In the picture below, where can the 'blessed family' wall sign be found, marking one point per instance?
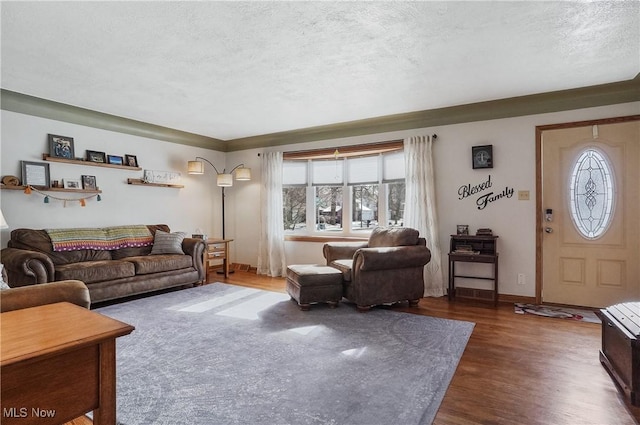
(485, 199)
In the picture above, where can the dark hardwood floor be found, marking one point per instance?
(516, 369)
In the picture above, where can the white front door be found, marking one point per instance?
(590, 231)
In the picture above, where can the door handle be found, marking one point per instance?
(548, 229)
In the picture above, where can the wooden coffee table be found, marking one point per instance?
(58, 362)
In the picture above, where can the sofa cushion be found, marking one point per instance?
(345, 267)
(119, 254)
(146, 264)
(95, 271)
(396, 236)
(168, 243)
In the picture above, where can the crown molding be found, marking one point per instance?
(30, 105)
(585, 97)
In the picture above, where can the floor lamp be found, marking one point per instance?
(223, 179)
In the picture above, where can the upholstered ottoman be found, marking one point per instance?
(311, 283)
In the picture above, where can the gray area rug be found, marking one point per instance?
(223, 354)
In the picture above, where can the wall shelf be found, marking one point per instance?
(140, 182)
(50, 189)
(47, 157)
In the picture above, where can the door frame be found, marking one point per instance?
(539, 207)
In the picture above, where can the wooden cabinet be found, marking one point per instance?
(473, 249)
(620, 353)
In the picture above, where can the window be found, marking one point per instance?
(364, 207)
(294, 195)
(347, 193)
(591, 194)
(393, 176)
(294, 201)
(395, 204)
(328, 201)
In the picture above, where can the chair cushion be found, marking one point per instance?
(396, 236)
(345, 267)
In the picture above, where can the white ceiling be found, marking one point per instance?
(236, 69)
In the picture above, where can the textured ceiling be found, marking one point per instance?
(235, 69)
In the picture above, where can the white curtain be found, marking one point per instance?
(271, 260)
(420, 207)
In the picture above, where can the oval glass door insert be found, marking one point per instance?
(591, 194)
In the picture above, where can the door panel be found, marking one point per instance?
(577, 270)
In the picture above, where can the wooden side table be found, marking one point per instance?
(217, 250)
(477, 249)
(58, 361)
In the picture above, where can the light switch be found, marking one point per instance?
(523, 195)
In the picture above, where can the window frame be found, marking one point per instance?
(344, 153)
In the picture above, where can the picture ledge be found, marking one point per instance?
(47, 157)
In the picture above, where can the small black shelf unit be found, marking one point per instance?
(473, 249)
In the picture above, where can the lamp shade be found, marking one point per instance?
(225, 180)
(243, 173)
(195, 167)
(3, 222)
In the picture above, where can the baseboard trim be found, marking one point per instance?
(512, 299)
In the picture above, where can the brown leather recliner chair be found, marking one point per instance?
(73, 291)
(388, 268)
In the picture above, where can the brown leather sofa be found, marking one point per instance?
(388, 268)
(30, 259)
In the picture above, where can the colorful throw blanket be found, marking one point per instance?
(103, 239)
(128, 236)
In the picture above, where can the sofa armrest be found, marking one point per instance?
(195, 248)
(73, 291)
(341, 250)
(26, 267)
(397, 257)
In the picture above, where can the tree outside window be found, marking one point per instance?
(294, 204)
(329, 208)
(364, 207)
(395, 204)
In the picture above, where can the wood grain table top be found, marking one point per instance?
(34, 333)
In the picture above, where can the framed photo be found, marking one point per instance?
(89, 182)
(482, 156)
(114, 159)
(35, 174)
(61, 146)
(72, 184)
(131, 160)
(95, 156)
(462, 229)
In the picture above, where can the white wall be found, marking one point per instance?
(24, 137)
(198, 204)
(513, 141)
